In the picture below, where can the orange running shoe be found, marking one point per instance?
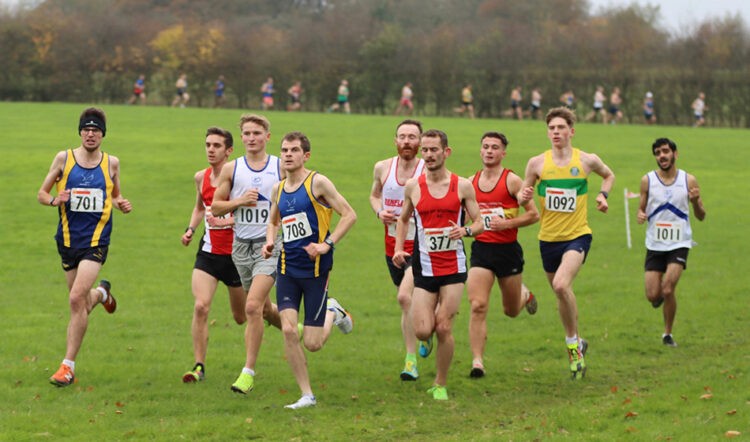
(111, 304)
(63, 377)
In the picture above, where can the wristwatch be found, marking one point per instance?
(329, 241)
(468, 231)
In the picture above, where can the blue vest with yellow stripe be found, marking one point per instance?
(304, 220)
(86, 218)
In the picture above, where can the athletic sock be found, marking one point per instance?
(249, 371)
(104, 294)
(69, 363)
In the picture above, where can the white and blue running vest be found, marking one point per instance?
(668, 212)
(250, 222)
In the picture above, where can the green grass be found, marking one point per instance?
(130, 365)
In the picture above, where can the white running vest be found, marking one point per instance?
(250, 222)
(393, 195)
(668, 212)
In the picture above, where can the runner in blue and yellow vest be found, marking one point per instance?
(303, 204)
(561, 175)
(87, 183)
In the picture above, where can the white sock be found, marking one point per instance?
(571, 340)
(104, 294)
(69, 363)
(249, 371)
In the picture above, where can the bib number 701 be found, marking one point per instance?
(86, 200)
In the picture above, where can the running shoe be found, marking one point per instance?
(63, 376)
(303, 402)
(477, 370)
(439, 393)
(575, 355)
(343, 319)
(110, 305)
(195, 375)
(531, 304)
(668, 340)
(425, 347)
(410, 371)
(243, 384)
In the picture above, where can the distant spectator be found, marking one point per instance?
(405, 104)
(699, 107)
(219, 92)
(648, 108)
(615, 100)
(598, 109)
(467, 102)
(267, 91)
(342, 99)
(181, 95)
(568, 99)
(139, 90)
(295, 97)
(515, 103)
(536, 103)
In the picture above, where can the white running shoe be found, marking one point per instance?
(303, 402)
(342, 320)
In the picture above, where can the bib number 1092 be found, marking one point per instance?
(560, 200)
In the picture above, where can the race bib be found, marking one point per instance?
(224, 216)
(488, 213)
(410, 232)
(560, 200)
(86, 200)
(669, 232)
(256, 214)
(438, 240)
(295, 227)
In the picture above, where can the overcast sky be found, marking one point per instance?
(680, 14)
(676, 15)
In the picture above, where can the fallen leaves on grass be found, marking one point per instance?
(732, 433)
(732, 412)
(631, 414)
(706, 396)
(613, 389)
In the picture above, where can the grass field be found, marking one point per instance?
(129, 369)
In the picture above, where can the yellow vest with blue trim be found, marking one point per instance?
(565, 190)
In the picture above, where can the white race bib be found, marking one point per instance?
(86, 200)
(669, 232)
(410, 232)
(256, 215)
(488, 213)
(295, 227)
(560, 200)
(438, 240)
(224, 216)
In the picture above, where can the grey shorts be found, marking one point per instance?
(247, 257)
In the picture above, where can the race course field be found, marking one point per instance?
(130, 366)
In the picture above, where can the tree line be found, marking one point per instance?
(85, 51)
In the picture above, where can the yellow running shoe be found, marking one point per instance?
(439, 393)
(243, 384)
